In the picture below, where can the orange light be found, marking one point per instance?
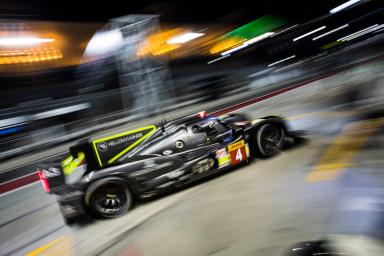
(156, 44)
(29, 55)
(226, 44)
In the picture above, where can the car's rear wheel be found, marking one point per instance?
(270, 139)
(110, 200)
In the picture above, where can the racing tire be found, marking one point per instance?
(109, 200)
(269, 141)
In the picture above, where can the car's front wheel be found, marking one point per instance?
(110, 200)
(270, 139)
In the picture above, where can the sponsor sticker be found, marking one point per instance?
(222, 157)
(237, 152)
(247, 149)
(109, 149)
(236, 145)
(102, 146)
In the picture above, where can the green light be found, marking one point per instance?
(257, 27)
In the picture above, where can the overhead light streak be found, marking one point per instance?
(279, 61)
(29, 56)
(234, 49)
(361, 32)
(314, 57)
(61, 111)
(357, 32)
(309, 33)
(284, 30)
(330, 32)
(258, 38)
(310, 58)
(343, 6)
(364, 33)
(104, 42)
(184, 38)
(23, 41)
(217, 59)
(248, 42)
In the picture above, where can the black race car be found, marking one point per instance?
(102, 177)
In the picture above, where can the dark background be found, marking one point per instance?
(170, 11)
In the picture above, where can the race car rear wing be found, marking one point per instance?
(51, 175)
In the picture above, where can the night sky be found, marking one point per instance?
(170, 11)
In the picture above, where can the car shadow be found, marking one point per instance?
(293, 142)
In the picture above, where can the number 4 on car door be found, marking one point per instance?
(237, 152)
(239, 156)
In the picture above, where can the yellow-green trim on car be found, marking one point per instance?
(225, 160)
(126, 149)
(70, 163)
(66, 161)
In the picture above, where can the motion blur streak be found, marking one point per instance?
(285, 30)
(89, 80)
(358, 32)
(249, 33)
(329, 32)
(43, 248)
(248, 42)
(234, 49)
(343, 6)
(180, 39)
(344, 148)
(349, 38)
(212, 61)
(309, 33)
(59, 246)
(104, 42)
(23, 41)
(279, 61)
(259, 38)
